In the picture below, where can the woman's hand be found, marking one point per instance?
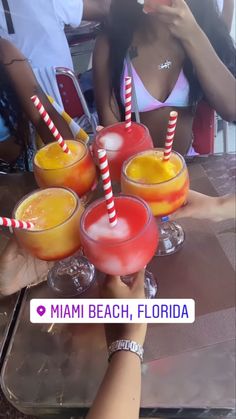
(19, 269)
(113, 287)
(206, 207)
(178, 17)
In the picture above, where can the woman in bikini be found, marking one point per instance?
(176, 54)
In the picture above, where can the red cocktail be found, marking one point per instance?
(125, 248)
(121, 143)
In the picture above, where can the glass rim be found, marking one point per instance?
(36, 191)
(99, 134)
(86, 151)
(102, 200)
(136, 182)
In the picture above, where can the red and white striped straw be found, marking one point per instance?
(11, 223)
(39, 106)
(170, 135)
(128, 102)
(106, 180)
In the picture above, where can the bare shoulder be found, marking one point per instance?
(9, 52)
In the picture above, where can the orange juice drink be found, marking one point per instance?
(55, 213)
(162, 184)
(77, 171)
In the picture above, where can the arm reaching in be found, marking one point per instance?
(206, 207)
(25, 85)
(19, 269)
(120, 391)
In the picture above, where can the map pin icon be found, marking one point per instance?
(41, 310)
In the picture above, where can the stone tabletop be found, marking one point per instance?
(187, 373)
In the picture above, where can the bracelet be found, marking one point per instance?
(125, 345)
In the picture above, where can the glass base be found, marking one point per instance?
(71, 276)
(150, 284)
(171, 238)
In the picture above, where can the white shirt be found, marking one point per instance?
(39, 34)
(220, 5)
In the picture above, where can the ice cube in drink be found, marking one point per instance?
(121, 143)
(125, 248)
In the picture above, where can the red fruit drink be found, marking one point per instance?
(125, 248)
(121, 143)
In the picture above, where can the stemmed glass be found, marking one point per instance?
(56, 213)
(163, 197)
(126, 248)
(77, 171)
(120, 143)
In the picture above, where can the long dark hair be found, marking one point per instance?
(9, 109)
(126, 17)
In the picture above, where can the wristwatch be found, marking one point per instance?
(125, 345)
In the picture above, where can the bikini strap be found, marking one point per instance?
(134, 96)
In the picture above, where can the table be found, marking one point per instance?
(8, 307)
(12, 188)
(55, 370)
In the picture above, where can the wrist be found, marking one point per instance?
(193, 39)
(224, 208)
(136, 332)
(126, 345)
(125, 356)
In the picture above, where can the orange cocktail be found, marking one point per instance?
(77, 171)
(55, 213)
(162, 184)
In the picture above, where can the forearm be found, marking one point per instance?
(120, 392)
(225, 208)
(217, 83)
(96, 10)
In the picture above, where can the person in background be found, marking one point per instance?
(206, 207)
(36, 28)
(17, 85)
(117, 397)
(176, 57)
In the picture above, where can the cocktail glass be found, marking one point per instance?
(165, 191)
(126, 248)
(120, 143)
(77, 171)
(55, 213)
